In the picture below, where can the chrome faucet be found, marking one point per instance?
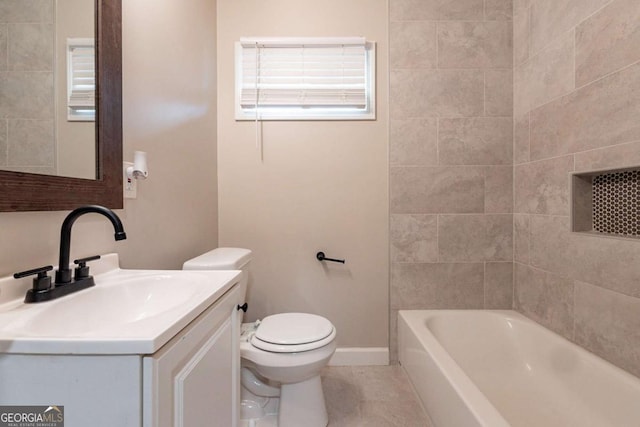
(63, 275)
(43, 289)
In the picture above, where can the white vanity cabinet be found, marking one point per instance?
(193, 381)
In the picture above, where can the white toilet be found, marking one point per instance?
(282, 357)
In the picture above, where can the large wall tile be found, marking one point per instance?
(608, 41)
(30, 47)
(475, 141)
(464, 103)
(550, 247)
(498, 92)
(543, 187)
(414, 238)
(551, 18)
(498, 194)
(521, 239)
(546, 298)
(436, 93)
(3, 142)
(474, 238)
(521, 37)
(31, 143)
(617, 156)
(612, 263)
(412, 44)
(498, 10)
(603, 113)
(413, 142)
(436, 190)
(26, 11)
(26, 95)
(498, 285)
(3, 47)
(608, 324)
(545, 76)
(475, 44)
(435, 286)
(441, 10)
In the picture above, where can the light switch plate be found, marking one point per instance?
(130, 185)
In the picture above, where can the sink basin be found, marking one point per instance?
(128, 311)
(117, 301)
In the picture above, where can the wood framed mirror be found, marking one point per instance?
(20, 191)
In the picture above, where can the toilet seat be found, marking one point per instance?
(293, 333)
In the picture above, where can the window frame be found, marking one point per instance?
(79, 113)
(306, 113)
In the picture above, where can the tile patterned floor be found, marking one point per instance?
(371, 396)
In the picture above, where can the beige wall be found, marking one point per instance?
(321, 186)
(577, 86)
(170, 112)
(450, 155)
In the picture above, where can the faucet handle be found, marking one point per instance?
(40, 283)
(82, 271)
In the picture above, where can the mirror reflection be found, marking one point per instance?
(47, 104)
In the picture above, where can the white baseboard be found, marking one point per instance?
(360, 356)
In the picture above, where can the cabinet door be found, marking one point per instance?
(193, 380)
(203, 388)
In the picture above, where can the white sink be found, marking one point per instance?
(127, 312)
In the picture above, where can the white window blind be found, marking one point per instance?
(81, 79)
(304, 78)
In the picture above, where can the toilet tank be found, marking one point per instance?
(220, 259)
(223, 259)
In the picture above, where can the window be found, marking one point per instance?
(81, 80)
(305, 79)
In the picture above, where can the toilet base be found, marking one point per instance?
(266, 421)
(302, 404)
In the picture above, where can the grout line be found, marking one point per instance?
(578, 88)
(484, 93)
(463, 214)
(484, 285)
(448, 21)
(438, 141)
(529, 142)
(454, 68)
(565, 276)
(443, 166)
(573, 27)
(500, 261)
(575, 54)
(543, 215)
(573, 312)
(438, 238)
(405, 117)
(607, 75)
(530, 162)
(437, 38)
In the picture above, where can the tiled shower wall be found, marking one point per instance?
(27, 136)
(576, 107)
(451, 160)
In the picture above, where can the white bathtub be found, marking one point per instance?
(498, 368)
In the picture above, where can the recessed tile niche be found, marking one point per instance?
(606, 202)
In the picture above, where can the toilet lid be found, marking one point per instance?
(293, 329)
